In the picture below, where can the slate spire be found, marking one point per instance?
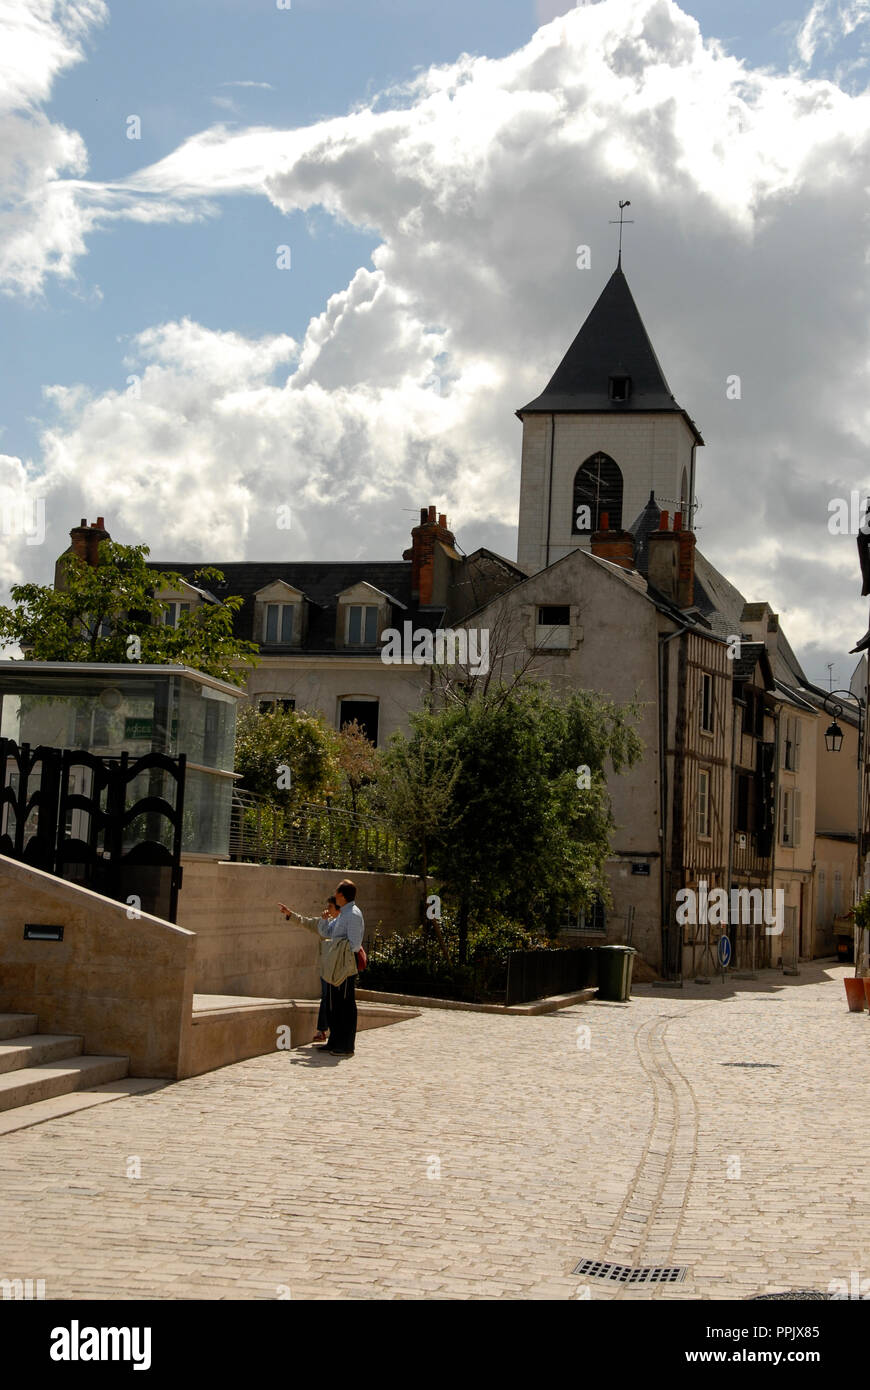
(611, 365)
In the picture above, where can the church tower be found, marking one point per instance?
(605, 434)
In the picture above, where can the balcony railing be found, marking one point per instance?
(310, 835)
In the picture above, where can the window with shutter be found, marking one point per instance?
(703, 803)
(706, 703)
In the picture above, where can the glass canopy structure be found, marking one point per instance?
(108, 710)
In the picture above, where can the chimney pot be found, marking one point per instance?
(84, 521)
(616, 546)
(442, 520)
(663, 521)
(678, 521)
(423, 516)
(101, 522)
(432, 513)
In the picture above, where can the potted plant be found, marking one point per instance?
(858, 988)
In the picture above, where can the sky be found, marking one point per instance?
(258, 254)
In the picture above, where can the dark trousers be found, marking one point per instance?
(342, 1015)
(323, 1012)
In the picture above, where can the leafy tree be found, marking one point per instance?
(515, 834)
(96, 609)
(302, 742)
(416, 786)
(357, 760)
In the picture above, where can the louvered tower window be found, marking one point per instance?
(597, 489)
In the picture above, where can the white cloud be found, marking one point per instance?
(747, 256)
(825, 23)
(42, 223)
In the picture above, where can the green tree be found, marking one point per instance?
(516, 834)
(286, 738)
(98, 608)
(415, 791)
(357, 761)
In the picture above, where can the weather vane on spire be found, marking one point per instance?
(623, 203)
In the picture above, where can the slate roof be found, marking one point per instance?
(751, 653)
(612, 342)
(642, 528)
(321, 581)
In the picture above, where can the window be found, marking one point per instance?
(791, 746)
(597, 489)
(592, 919)
(553, 628)
(620, 388)
(707, 703)
(362, 625)
(278, 625)
(753, 714)
(703, 804)
(362, 709)
(173, 612)
(267, 705)
(790, 817)
(555, 616)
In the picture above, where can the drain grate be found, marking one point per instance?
(774, 1065)
(627, 1274)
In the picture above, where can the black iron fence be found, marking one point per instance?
(112, 824)
(539, 974)
(310, 835)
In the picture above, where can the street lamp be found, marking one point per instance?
(833, 737)
(834, 742)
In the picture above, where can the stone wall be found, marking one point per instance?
(244, 945)
(125, 985)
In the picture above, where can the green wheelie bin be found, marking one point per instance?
(614, 972)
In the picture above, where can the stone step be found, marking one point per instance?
(25, 1116)
(30, 1049)
(55, 1079)
(15, 1025)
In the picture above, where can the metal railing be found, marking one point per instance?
(310, 835)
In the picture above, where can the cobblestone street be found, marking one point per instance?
(476, 1156)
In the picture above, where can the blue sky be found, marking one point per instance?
(144, 236)
(172, 63)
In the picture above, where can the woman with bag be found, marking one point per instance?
(320, 925)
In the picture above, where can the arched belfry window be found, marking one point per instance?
(597, 489)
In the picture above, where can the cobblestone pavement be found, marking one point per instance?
(476, 1156)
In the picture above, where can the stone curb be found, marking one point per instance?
(537, 1006)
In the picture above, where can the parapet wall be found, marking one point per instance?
(244, 945)
(124, 984)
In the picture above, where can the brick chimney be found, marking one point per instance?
(686, 568)
(422, 554)
(85, 538)
(615, 546)
(672, 561)
(664, 559)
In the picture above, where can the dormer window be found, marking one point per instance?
(620, 388)
(172, 612)
(278, 623)
(362, 625)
